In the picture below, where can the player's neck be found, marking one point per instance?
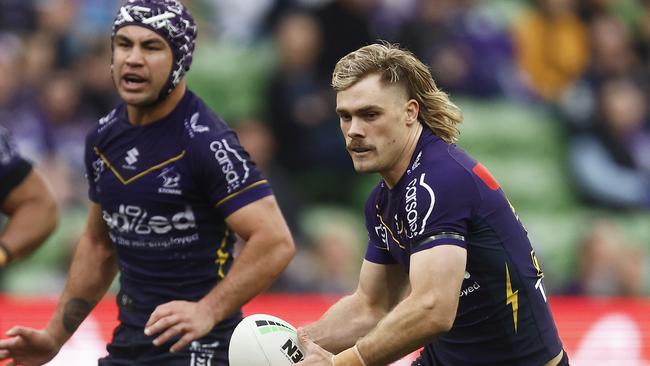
(393, 176)
(141, 116)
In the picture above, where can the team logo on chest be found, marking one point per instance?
(171, 181)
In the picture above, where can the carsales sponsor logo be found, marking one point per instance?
(415, 186)
(227, 157)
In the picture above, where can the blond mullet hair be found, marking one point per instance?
(395, 66)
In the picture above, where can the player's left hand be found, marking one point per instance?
(315, 355)
(191, 320)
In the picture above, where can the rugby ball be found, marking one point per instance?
(264, 340)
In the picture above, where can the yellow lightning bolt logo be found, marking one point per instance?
(512, 298)
(222, 256)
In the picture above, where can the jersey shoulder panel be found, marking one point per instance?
(105, 124)
(370, 209)
(93, 164)
(439, 198)
(201, 123)
(228, 175)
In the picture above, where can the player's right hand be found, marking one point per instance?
(314, 354)
(28, 347)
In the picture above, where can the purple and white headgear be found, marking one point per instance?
(173, 22)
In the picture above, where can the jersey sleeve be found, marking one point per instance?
(13, 168)
(228, 176)
(377, 250)
(438, 207)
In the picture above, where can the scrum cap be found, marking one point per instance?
(172, 21)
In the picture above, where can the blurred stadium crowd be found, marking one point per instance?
(554, 92)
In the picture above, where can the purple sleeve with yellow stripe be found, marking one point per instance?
(249, 194)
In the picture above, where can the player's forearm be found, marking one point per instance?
(29, 225)
(344, 323)
(412, 323)
(91, 273)
(260, 262)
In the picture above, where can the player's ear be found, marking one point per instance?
(412, 111)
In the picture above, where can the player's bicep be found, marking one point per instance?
(262, 217)
(436, 275)
(32, 189)
(382, 285)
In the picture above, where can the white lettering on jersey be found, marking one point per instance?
(469, 289)
(223, 152)
(135, 219)
(415, 226)
(411, 205)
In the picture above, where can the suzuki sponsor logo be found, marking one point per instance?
(416, 226)
(131, 158)
(170, 181)
(224, 155)
(135, 219)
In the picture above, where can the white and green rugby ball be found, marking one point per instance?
(264, 340)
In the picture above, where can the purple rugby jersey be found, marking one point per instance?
(165, 190)
(448, 198)
(13, 168)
